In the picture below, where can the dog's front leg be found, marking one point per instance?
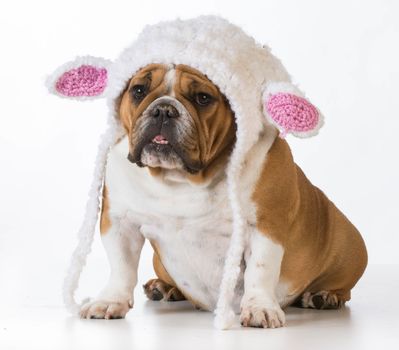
(123, 243)
(259, 305)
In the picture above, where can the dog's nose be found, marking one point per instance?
(164, 111)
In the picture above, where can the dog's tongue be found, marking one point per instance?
(160, 139)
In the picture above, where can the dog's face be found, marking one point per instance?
(176, 118)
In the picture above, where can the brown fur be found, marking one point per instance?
(105, 221)
(129, 112)
(323, 250)
(214, 124)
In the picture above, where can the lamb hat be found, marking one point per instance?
(254, 81)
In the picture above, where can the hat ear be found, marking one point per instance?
(84, 78)
(285, 106)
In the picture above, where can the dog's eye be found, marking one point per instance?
(138, 92)
(203, 99)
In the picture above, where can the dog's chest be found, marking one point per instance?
(190, 226)
(192, 241)
(192, 251)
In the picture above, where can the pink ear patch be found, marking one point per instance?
(292, 113)
(85, 80)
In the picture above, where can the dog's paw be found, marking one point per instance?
(256, 312)
(156, 289)
(105, 309)
(322, 300)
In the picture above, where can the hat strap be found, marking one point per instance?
(88, 226)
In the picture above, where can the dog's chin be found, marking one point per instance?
(162, 156)
(161, 153)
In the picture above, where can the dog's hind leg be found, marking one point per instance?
(322, 300)
(156, 289)
(163, 287)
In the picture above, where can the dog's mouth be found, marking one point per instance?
(160, 140)
(163, 151)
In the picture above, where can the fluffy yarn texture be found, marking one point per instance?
(87, 229)
(292, 113)
(84, 78)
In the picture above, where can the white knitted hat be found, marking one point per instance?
(252, 79)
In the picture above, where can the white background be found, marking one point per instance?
(344, 54)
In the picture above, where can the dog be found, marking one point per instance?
(166, 182)
(195, 161)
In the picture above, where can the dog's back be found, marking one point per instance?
(323, 251)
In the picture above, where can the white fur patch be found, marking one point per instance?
(170, 80)
(259, 305)
(123, 243)
(179, 218)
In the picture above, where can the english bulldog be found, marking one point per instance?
(166, 182)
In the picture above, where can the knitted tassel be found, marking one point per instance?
(87, 229)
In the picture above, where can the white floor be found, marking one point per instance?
(370, 321)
